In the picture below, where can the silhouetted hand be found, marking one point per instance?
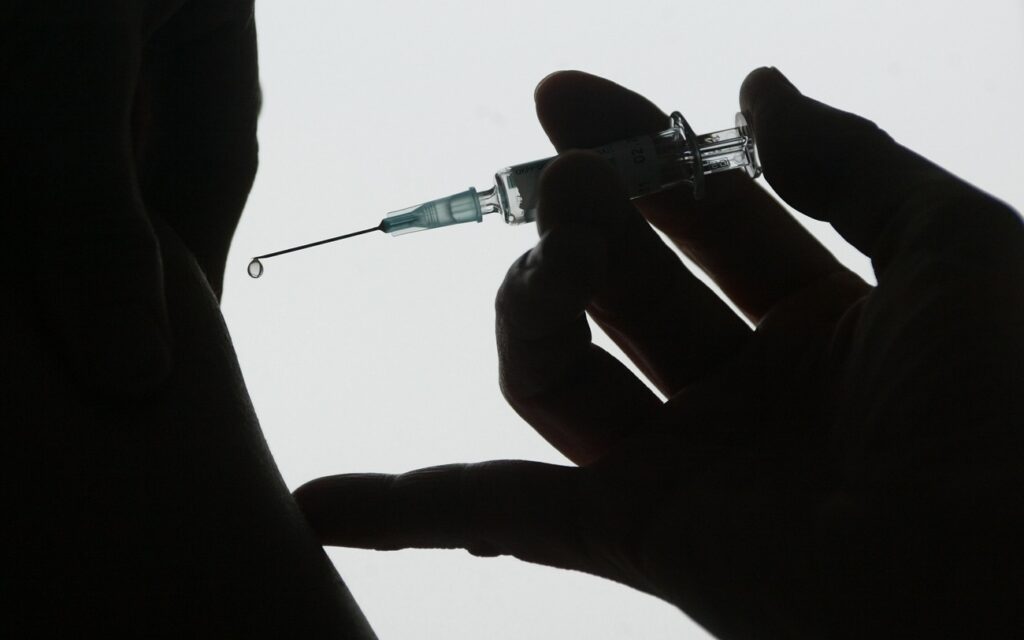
(851, 468)
(117, 112)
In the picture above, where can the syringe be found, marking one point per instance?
(645, 164)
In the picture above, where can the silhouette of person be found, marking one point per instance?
(139, 496)
(848, 469)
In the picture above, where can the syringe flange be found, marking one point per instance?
(697, 175)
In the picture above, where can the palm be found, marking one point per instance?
(765, 411)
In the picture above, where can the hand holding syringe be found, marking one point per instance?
(645, 165)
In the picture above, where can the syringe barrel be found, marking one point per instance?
(442, 212)
(645, 164)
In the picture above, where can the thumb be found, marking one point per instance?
(833, 165)
(507, 507)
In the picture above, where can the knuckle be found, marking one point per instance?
(494, 494)
(513, 385)
(508, 299)
(953, 215)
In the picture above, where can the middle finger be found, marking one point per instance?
(668, 322)
(753, 249)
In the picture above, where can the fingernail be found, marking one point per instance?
(122, 349)
(536, 90)
(783, 79)
(761, 86)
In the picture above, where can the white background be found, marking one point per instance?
(377, 354)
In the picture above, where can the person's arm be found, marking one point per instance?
(850, 468)
(159, 514)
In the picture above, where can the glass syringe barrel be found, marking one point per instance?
(645, 164)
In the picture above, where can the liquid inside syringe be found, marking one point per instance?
(645, 164)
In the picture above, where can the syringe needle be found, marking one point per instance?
(319, 242)
(255, 268)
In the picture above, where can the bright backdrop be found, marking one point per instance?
(378, 354)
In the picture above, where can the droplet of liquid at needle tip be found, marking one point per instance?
(255, 268)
